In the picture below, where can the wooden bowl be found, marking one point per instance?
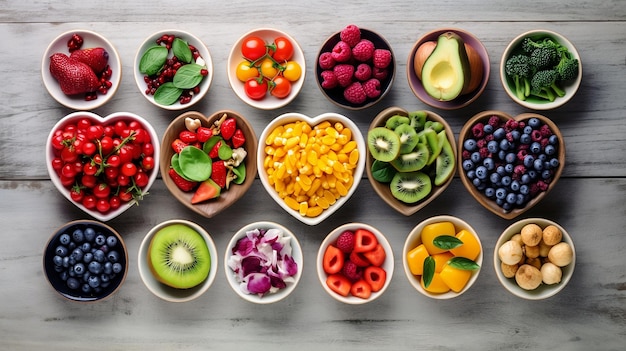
(489, 203)
(382, 189)
(228, 196)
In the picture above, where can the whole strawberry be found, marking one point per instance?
(96, 58)
(74, 77)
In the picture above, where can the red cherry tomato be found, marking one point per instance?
(147, 163)
(253, 48)
(115, 202)
(281, 87)
(129, 169)
(254, 89)
(102, 191)
(141, 179)
(283, 50)
(103, 206)
(89, 201)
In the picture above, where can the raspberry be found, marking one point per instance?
(351, 34)
(344, 73)
(494, 121)
(510, 125)
(372, 88)
(341, 52)
(326, 61)
(477, 130)
(355, 94)
(351, 271)
(363, 51)
(382, 58)
(379, 73)
(329, 79)
(345, 242)
(363, 72)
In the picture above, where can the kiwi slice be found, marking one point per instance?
(431, 139)
(444, 165)
(179, 257)
(410, 187)
(394, 121)
(413, 161)
(383, 144)
(418, 119)
(408, 138)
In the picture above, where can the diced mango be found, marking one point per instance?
(433, 230)
(415, 259)
(470, 248)
(436, 286)
(441, 259)
(455, 278)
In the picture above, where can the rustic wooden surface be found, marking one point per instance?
(589, 314)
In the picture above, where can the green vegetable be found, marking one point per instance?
(240, 172)
(543, 84)
(167, 94)
(153, 60)
(447, 242)
(181, 50)
(429, 270)
(195, 164)
(543, 58)
(383, 171)
(463, 263)
(529, 44)
(188, 76)
(518, 67)
(567, 68)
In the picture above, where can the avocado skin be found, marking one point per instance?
(446, 72)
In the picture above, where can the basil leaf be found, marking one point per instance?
(181, 50)
(463, 263)
(195, 163)
(176, 166)
(383, 171)
(167, 94)
(429, 270)
(188, 76)
(447, 242)
(240, 172)
(153, 60)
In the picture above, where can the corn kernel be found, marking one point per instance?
(354, 157)
(322, 202)
(314, 211)
(292, 203)
(341, 188)
(322, 125)
(304, 206)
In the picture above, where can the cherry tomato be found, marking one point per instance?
(123, 180)
(121, 129)
(129, 169)
(246, 71)
(268, 70)
(147, 149)
(106, 143)
(69, 154)
(115, 202)
(57, 164)
(68, 170)
(147, 163)
(103, 206)
(89, 169)
(114, 161)
(141, 179)
(67, 181)
(254, 89)
(111, 172)
(89, 201)
(95, 132)
(88, 181)
(83, 124)
(101, 191)
(292, 71)
(89, 148)
(281, 87)
(77, 194)
(125, 195)
(253, 48)
(283, 49)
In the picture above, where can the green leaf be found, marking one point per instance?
(188, 76)
(240, 172)
(429, 270)
(463, 263)
(383, 171)
(181, 50)
(195, 164)
(447, 242)
(176, 166)
(153, 60)
(209, 144)
(224, 152)
(167, 94)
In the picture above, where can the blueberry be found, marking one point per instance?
(65, 239)
(510, 157)
(63, 275)
(90, 234)
(99, 256)
(104, 278)
(509, 167)
(542, 157)
(489, 163)
(94, 281)
(499, 133)
(113, 256)
(59, 269)
(61, 251)
(550, 150)
(488, 129)
(505, 144)
(506, 180)
(468, 165)
(515, 185)
(79, 268)
(501, 193)
(535, 147)
(111, 241)
(529, 160)
(515, 134)
(77, 254)
(57, 260)
(554, 162)
(475, 157)
(507, 206)
(477, 183)
(471, 174)
(481, 172)
(85, 288)
(538, 165)
(553, 139)
(481, 187)
(493, 147)
(524, 189)
(469, 144)
(525, 138)
(521, 200)
(95, 267)
(86, 247)
(511, 198)
(72, 283)
(78, 236)
(500, 170)
(527, 130)
(534, 123)
(117, 267)
(533, 174)
(495, 178)
(66, 261)
(100, 239)
(490, 193)
(108, 268)
(501, 155)
(87, 257)
(546, 174)
(525, 179)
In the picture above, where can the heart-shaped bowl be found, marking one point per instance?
(569, 86)
(415, 252)
(227, 197)
(494, 191)
(90, 40)
(385, 76)
(268, 101)
(71, 130)
(464, 99)
(268, 239)
(200, 56)
(285, 155)
(383, 189)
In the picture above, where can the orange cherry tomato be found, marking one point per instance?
(281, 87)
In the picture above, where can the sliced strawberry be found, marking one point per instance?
(206, 191)
(339, 284)
(228, 127)
(218, 173)
(96, 58)
(203, 134)
(359, 259)
(375, 277)
(178, 145)
(376, 256)
(364, 240)
(333, 260)
(214, 153)
(361, 289)
(188, 136)
(182, 183)
(238, 138)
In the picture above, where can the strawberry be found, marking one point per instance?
(203, 134)
(339, 284)
(206, 191)
(238, 138)
(188, 136)
(182, 183)
(96, 58)
(364, 240)
(214, 153)
(218, 173)
(74, 77)
(375, 277)
(228, 127)
(376, 256)
(359, 259)
(333, 260)
(178, 145)
(361, 289)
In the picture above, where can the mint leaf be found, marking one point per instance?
(153, 60)
(167, 94)
(429, 270)
(188, 76)
(447, 242)
(181, 50)
(383, 171)
(463, 263)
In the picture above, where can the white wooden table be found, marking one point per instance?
(589, 314)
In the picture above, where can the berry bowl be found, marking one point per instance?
(177, 260)
(355, 68)
(208, 162)
(479, 68)
(298, 153)
(94, 58)
(355, 263)
(263, 262)
(110, 181)
(509, 164)
(85, 261)
(442, 257)
(411, 158)
(173, 69)
(534, 258)
(537, 59)
(266, 68)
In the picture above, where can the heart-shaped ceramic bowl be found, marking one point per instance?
(227, 197)
(110, 120)
(515, 173)
(266, 160)
(383, 190)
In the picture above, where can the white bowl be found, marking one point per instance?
(388, 264)
(296, 254)
(269, 102)
(414, 239)
(72, 118)
(163, 291)
(544, 291)
(312, 121)
(192, 40)
(91, 40)
(536, 103)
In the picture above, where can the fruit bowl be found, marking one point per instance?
(378, 80)
(453, 278)
(377, 170)
(59, 155)
(255, 285)
(551, 278)
(190, 282)
(479, 60)
(568, 84)
(281, 164)
(194, 81)
(224, 197)
(76, 247)
(89, 40)
(517, 158)
(289, 82)
(362, 275)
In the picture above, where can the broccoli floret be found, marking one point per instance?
(542, 58)
(543, 84)
(518, 68)
(567, 68)
(529, 45)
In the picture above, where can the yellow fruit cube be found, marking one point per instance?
(455, 278)
(441, 259)
(431, 231)
(470, 248)
(436, 286)
(415, 259)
